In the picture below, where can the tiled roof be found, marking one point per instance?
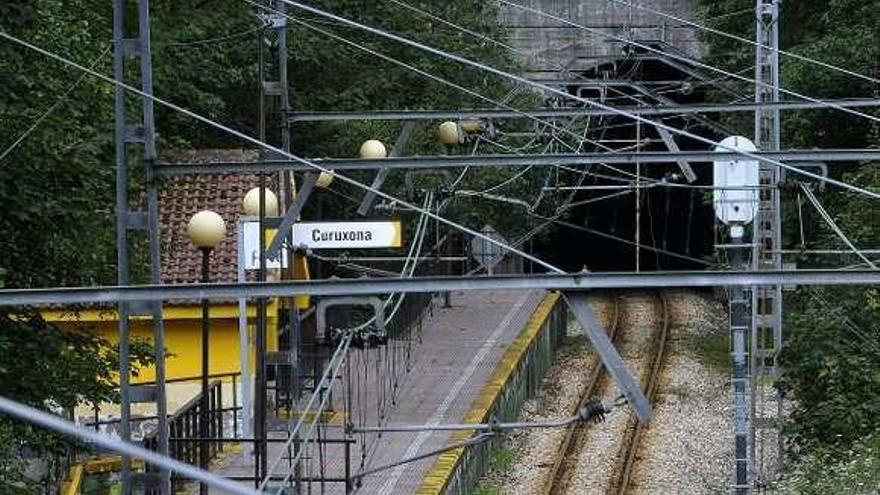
(180, 197)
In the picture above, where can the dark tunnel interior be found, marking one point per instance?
(677, 223)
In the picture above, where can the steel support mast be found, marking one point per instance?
(766, 336)
(134, 44)
(274, 102)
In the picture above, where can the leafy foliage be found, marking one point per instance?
(826, 471)
(831, 356)
(57, 182)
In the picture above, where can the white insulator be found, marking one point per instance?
(324, 180)
(472, 126)
(251, 203)
(448, 133)
(373, 150)
(206, 229)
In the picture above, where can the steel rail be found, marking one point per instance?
(557, 478)
(515, 160)
(362, 286)
(650, 379)
(500, 113)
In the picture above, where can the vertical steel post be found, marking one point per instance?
(766, 337)
(144, 134)
(204, 403)
(244, 351)
(155, 239)
(122, 275)
(273, 87)
(739, 327)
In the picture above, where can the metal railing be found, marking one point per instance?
(184, 430)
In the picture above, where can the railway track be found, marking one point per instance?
(560, 480)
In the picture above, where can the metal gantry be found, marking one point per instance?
(140, 134)
(766, 332)
(766, 299)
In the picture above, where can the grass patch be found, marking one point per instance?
(501, 459)
(712, 348)
(487, 490)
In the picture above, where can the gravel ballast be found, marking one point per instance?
(687, 447)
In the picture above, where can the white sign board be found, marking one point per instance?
(736, 183)
(251, 238)
(346, 235)
(487, 253)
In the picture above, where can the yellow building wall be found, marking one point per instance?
(183, 336)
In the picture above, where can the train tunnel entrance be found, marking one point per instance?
(674, 215)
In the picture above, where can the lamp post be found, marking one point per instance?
(205, 229)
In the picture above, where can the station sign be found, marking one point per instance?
(347, 235)
(320, 235)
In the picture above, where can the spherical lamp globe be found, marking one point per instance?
(252, 203)
(373, 150)
(206, 229)
(448, 133)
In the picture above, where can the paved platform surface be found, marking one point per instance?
(459, 351)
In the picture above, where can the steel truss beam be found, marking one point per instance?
(444, 161)
(354, 287)
(500, 113)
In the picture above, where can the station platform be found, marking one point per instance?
(459, 350)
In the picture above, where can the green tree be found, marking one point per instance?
(831, 356)
(57, 182)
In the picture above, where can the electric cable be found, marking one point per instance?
(686, 60)
(266, 146)
(544, 87)
(61, 99)
(741, 39)
(834, 227)
(407, 66)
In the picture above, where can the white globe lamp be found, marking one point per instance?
(206, 229)
(252, 203)
(373, 149)
(448, 133)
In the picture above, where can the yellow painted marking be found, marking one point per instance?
(446, 463)
(327, 417)
(109, 464)
(183, 312)
(397, 238)
(74, 479)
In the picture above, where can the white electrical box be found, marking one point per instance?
(736, 183)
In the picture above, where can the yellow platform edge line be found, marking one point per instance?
(444, 466)
(73, 481)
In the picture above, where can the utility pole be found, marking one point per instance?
(274, 98)
(766, 335)
(739, 327)
(143, 135)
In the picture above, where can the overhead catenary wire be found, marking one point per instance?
(688, 60)
(544, 87)
(61, 99)
(834, 227)
(266, 146)
(581, 138)
(741, 39)
(414, 69)
(55, 423)
(513, 49)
